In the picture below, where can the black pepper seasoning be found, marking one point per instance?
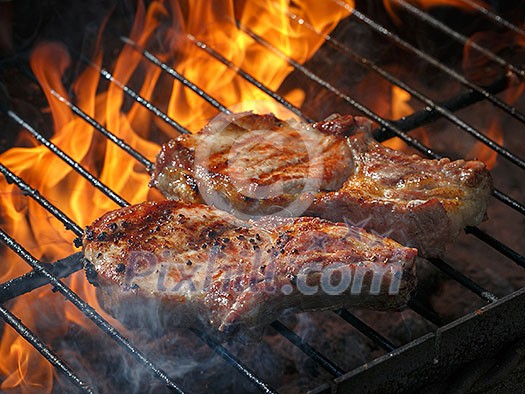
(102, 236)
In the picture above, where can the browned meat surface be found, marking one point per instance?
(332, 169)
(194, 265)
(253, 165)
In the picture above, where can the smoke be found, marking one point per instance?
(180, 353)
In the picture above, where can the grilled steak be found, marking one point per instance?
(251, 164)
(194, 265)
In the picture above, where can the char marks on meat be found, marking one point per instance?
(193, 265)
(254, 165)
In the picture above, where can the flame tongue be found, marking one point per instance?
(163, 29)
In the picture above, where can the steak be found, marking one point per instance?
(253, 165)
(170, 263)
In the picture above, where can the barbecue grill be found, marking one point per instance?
(476, 352)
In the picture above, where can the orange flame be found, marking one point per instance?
(163, 29)
(480, 150)
(399, 108)
(480, 69)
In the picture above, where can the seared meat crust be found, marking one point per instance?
(332, 169)
(194, 265)
(418, 202)
(252, 164)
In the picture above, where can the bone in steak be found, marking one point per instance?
(250, 164)
(184, 264)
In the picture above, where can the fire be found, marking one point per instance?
(399, 107)
(480, 150)
(162, 28)
(479, 69)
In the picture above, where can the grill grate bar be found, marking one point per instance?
(508, 200)
(248, 77)
(421, 118)
(68, 160)
(53, 359)
(498, 245)
(459, 37)
(328, 365)
(130, 92)
(494, 17)
(108, 134)
(32, 280)
(232, 360)
(88, 311)
(141, 100)
(422, 310)
(34, 194)
(463, 280)
(415, 93)
(172, 72)
(430, 59)
(366, 329)
(372, 115)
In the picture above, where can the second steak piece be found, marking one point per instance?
(172, 263)
(254, 165)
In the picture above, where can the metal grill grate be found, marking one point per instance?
(44, 274)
